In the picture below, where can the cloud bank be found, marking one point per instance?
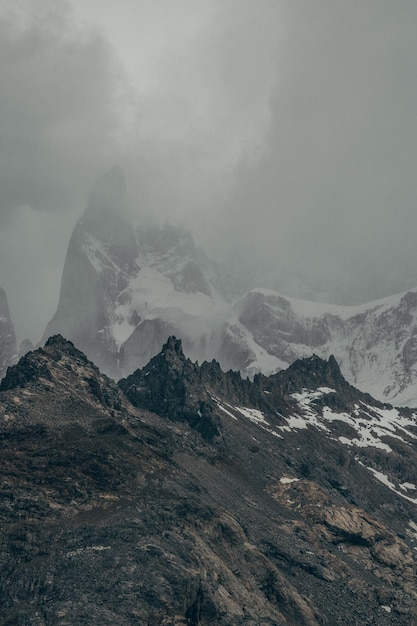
(281, 132)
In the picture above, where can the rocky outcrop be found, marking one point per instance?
(8, 350)
(172, 386)
(312, 373)
(360, 537)
(58, 368)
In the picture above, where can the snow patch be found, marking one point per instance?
(285, 480)
(407, 486)
(306, 397)
(258, 418)
(371, 424)
(385, 481)
(221, 407)
(255, 416)
(259, 360)
(151, 295)
(308, 415)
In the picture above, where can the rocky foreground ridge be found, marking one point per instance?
(189, 496)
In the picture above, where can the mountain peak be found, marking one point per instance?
(106, 216)
(58, 341)
(312, 372)
(315, 374)
(59, 367)
(171, 386)
(321, 368)
(171, 358)
(8, 346)
(173, 346)
(41, 364)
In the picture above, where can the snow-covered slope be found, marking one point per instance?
(174, 288)
(375, 344)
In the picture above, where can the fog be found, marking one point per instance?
(280, 132)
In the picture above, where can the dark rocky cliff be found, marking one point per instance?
(172, 386)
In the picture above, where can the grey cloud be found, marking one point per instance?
(281, 131)
(58, 107)
(60, 126)
(208, 106)
(333, 200)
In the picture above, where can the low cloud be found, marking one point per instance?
(59, 119)
(331, 205)
(281, 132)
(61, 100)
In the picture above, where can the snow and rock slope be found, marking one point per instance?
(125, 290)
(310, 395)
(375, 344)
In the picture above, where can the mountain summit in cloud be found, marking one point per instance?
(8, 348)
(125, 289)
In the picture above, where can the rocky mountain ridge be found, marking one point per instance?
(289, 502)
(310, 392)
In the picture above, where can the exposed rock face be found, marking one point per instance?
(360, 537)
(112, 514)
(313, 373)
(99, 261)
(172, 386)
(8, 350)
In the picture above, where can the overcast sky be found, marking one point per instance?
(283, 132)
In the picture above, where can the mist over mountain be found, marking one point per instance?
(284, 149)
(126, 288)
